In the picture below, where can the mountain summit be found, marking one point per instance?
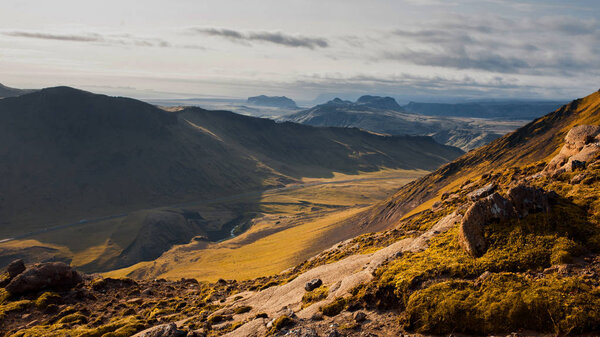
(273, 101)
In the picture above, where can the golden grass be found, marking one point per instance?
(266, 256)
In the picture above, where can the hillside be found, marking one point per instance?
(511, 248)
(93, 162)
(536, 141)
(384, 115)
(12, 92)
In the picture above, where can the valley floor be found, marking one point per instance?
(290, 226)
(273, 230)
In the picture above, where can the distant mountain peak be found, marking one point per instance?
(273, 101)
(379, 102)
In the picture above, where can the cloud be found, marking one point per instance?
(552, 45)
(60, 37)
(113, 39)
(270, 37)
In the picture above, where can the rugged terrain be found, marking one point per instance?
(507, 244)
(456, 125)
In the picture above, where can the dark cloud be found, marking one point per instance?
(60, 37)
(271, 37)
(118, 39)
(461, 60)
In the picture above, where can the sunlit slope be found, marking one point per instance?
(536, 141)
(291, 227)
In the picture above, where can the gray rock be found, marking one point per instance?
(165, 330)
(526, 199)
(53, 275)
(577, 165)
(478, 215)
(332, 333)
(360, 316)
(313, 284)
(482, 192)
(15, 268)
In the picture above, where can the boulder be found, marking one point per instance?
(113, 283)
(582, 134)
(470, 236)
(582, 145)
(482, 192)
(521, 200)
(165, 330)
(360, 317)
(15, 268)
(574, 165)
(526, 199)
(313, 284)
(52, 275)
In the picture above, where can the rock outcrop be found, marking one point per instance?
(521, 200)
(53, 275)
(165, 330)
(313, 284)
(582, 145)
(15, 268)
(482, 192)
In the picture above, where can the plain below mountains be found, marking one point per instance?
(71, 155)
(468, 125)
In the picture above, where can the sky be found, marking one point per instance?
(428, 50)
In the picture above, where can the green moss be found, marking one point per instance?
(269, 284)
(15, 306)
(242, 309)
(123, 327)
(75, 318)
(314, 296)
(218, 319)
(334, 308)
(282, 322)
(506, 302)
(46, 299)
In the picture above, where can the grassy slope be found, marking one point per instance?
(538, 140)
(294, 225)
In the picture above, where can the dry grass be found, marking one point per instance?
(294, 225)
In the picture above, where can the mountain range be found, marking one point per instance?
(71, 156)
(461, 125)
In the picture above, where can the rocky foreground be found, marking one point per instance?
(511, 252)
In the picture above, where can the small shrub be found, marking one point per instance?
(75, 318)
(314, 296)
(282, 322)
(46, 299)
(242, 309)
(334, 308)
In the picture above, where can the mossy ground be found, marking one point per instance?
(440, 289)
